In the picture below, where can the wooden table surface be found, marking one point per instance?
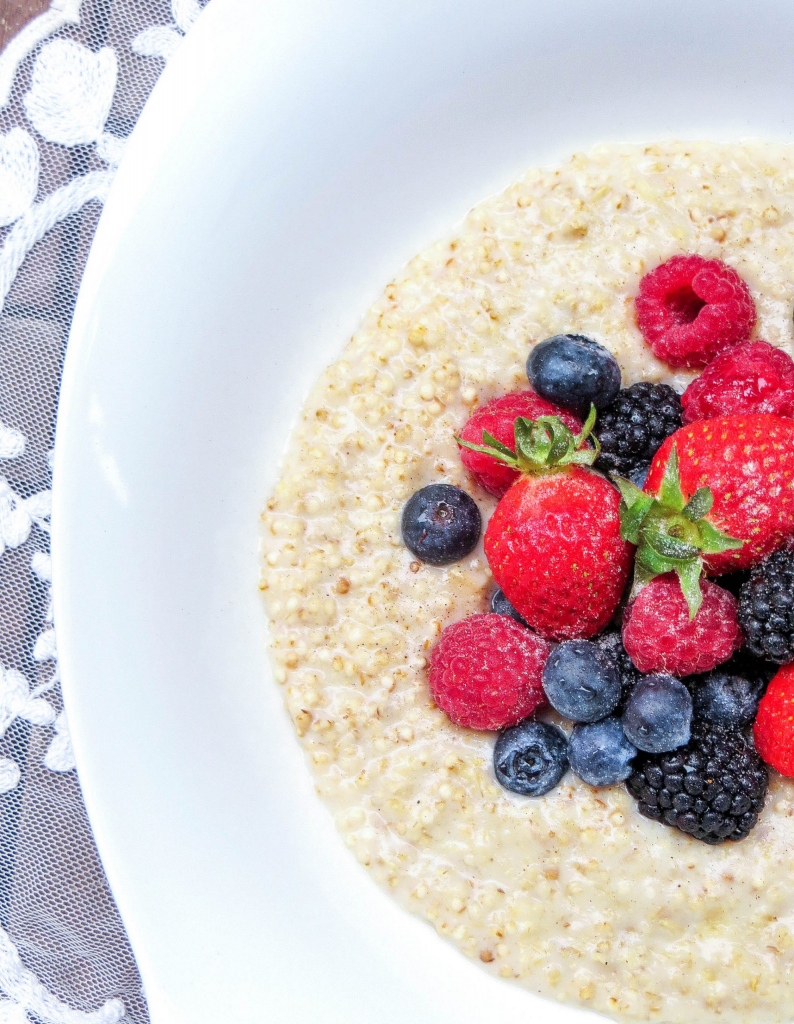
(14, 14)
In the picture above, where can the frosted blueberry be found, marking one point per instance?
(600, 754)
(441, 524)
(574, 372)
(530, 758)
(658, 714)
(580, 681)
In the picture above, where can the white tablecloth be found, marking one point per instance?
(72, 84)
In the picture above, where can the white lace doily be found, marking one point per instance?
(72, 84)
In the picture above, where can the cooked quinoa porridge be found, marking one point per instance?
(575, 895)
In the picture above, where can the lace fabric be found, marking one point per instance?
(72, 84)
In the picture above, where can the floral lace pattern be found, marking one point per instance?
(72, 83)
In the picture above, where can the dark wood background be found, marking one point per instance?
(14, 14)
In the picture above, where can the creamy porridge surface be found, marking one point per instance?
(573, 894)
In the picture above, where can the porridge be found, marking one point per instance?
(573, 894)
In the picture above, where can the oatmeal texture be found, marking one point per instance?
(573, 895)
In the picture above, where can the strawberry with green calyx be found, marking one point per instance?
(541, 445)
(671, 533)
(553, 542)
(747, 462)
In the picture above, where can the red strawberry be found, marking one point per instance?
(554, 547)
(485, 672)
(553, 543)
(747, 463)
(660, 636)
(774, 724)
(498, 419)
(752, 378)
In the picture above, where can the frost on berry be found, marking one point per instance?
(497, 418)
(754, 377)
(485, 672)
(691, 308)
(660, 637)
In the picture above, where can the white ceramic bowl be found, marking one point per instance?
(293, 156)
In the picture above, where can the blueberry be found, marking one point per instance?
(501, 606)
(441, 524)
(530, 758)
(600, 754)
(574, 372)
(727, 700)
(658, 715)
(581, 682)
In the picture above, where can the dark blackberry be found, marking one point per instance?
(611, 645)
(632, 428)
(766, 609)
(713, 789)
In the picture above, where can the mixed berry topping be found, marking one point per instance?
(689, 309)
(713, 789)
(766, 608)
(441, 524)
(575, 372)
(632, 427)
(485, 672)
(611, 517)
(752, 378)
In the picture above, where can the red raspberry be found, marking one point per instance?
(774, 725)
(485, 672)
(691, 308)
(498, 417)
(659, 636)
(752, 378)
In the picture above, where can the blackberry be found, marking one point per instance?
(713, 789)
(632, 428)
(766, 609)
(611, 645)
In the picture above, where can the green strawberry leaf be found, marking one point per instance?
(699, 504)
(670, 547)
(541, 445)
(632, 516)
(507, 457)
(689, 573)
(489, 439)
(714, 541)
(670, 493)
